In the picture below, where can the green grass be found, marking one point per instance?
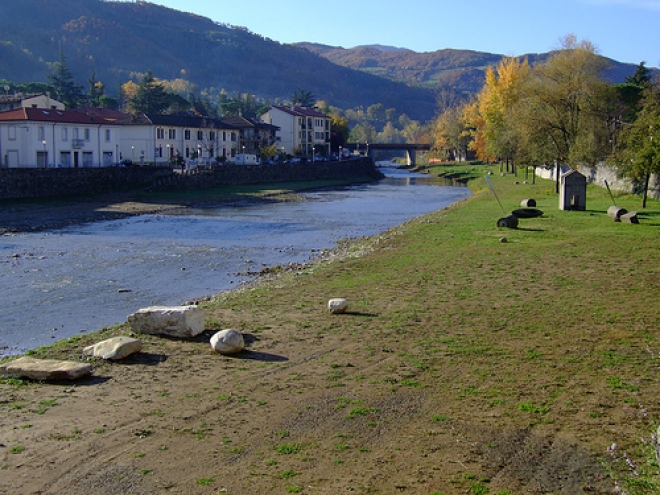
(558, 325)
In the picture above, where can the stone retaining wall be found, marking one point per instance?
(40, 183)
(603, 172)
(19, 183)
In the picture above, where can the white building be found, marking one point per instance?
(161, 139)
(37, 137)
(12, 102)
(302, 130)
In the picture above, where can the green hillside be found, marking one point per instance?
(463, 70)
(120, 39)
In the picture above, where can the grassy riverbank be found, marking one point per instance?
(465, 365)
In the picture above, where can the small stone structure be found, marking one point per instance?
(630, 217)
(510, 222)
(174, 321)
(616, 212)
(573, 191)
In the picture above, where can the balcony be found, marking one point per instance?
(76, 144)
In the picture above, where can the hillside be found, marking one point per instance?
(120, 39)
(463, 70)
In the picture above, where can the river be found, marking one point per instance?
(65, 282)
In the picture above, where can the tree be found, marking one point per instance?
(496, 102)
(363, 133)
(640, 153)
(641, 77)
(95, 92)
(64, 86)
(150, 96)
(561, 114)
(452, 135)
(340, 131)
(303, 98)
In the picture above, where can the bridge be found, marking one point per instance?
(409, 149)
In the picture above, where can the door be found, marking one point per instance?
(12, 159)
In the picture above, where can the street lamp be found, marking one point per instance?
(132, 154)
(313, 154)
(340, 148)
(45, 153)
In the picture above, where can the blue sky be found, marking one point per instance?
(625, 30)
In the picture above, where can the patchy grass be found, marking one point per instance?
(519, 363)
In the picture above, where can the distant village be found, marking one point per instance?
(37, 131)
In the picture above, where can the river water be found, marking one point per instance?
(61, 283)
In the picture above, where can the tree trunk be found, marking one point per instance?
(556, 177)
(647, 179)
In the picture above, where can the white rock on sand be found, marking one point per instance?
(174, 321)
(228, 342)
(114, 349)
(337, 306)
(45, 369)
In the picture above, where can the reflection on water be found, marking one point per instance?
(60, 283)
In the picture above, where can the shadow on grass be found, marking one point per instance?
(261, 356)
(358, 313)
(144, 358)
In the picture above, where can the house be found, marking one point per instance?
(160, 139)
(302, 130)
(39, 137)
(19, 100)
(254, 135)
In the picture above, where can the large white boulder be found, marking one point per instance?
(173, 321)
(45, 369)
(115, 348)
(228, 342)
(337, 306)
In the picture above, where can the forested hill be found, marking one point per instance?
(462, 70)
(117, 40)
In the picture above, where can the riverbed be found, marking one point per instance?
(61, 283)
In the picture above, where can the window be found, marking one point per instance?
(187, 150)
(200, 135)
(88, 158)
(186, 134)
(159, 154)
(224, 135)
(42, 133)
(160, 133)
(171, 133)
(65, 133)
(87, 134)
(107, 135)
(107, 158)
(233, 136)
(12, 132)
(212, 135)
(76, 133)
(65, 158)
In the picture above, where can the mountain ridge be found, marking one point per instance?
(463, 70)
(118, 41)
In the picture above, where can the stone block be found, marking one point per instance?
(45, 369)
(174, 321)
(114, 349)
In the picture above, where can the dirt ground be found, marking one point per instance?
(399, 395)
